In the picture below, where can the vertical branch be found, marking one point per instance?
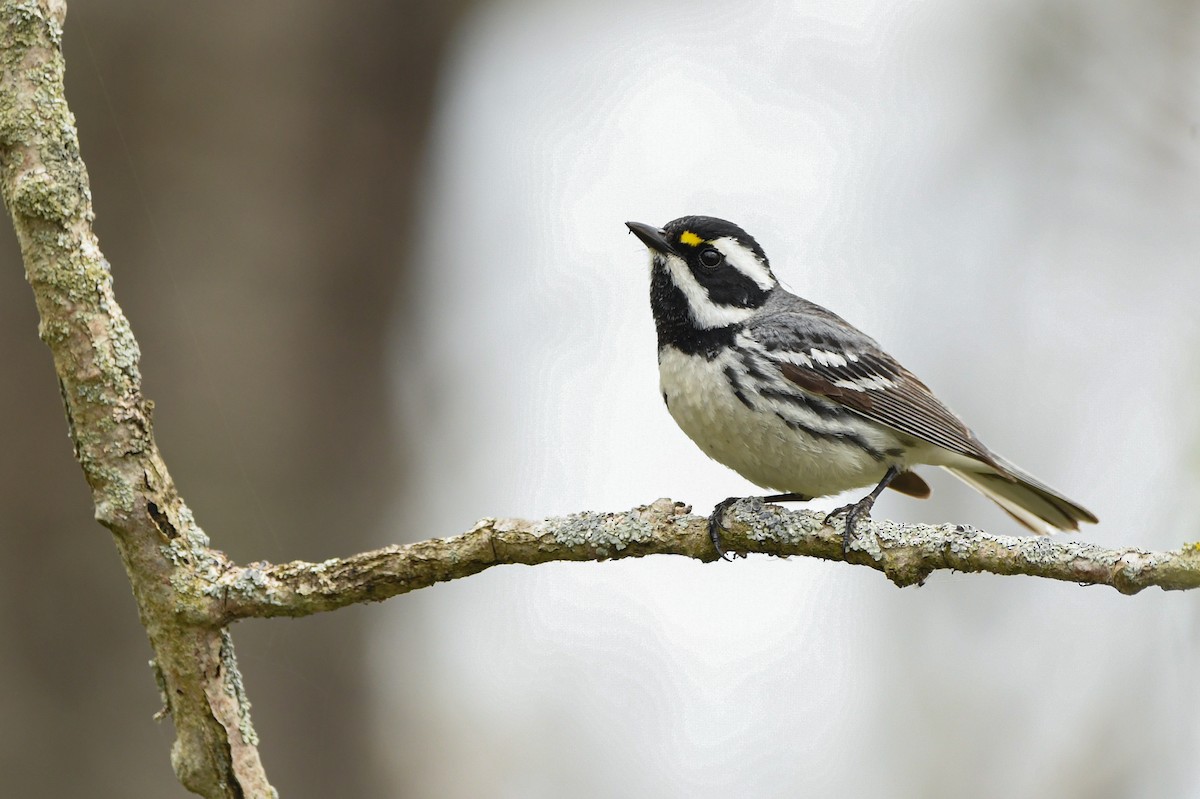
(45, 188)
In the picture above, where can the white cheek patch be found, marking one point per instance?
(746, 262)
(705, 313)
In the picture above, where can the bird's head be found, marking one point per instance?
(711, 269)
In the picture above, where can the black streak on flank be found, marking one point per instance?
(842, 436)
(826, 410)
(731, 376)
(750, 364)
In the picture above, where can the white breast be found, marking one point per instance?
(758, 442)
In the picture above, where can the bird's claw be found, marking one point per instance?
(853, 512)
(715, 527)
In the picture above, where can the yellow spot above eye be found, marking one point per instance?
(689, 238)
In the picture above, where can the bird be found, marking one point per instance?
(796, 399)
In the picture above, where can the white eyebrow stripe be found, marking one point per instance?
(745, 261)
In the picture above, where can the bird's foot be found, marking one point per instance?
(715, 527)
(853, 513)
(714, 521)
(861, 509)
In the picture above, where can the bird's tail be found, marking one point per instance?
(1028, 500)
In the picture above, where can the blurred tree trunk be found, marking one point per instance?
(254, 169)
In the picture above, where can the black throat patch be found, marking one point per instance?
(674, 324)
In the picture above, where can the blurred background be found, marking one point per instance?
(375, 257)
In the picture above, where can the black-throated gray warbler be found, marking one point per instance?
(794, 398)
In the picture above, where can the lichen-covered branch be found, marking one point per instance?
(45, 188)
(906, 554)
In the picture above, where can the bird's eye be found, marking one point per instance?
(711, 257)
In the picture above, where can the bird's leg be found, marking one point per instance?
(715, 527)
(787, 498)
(714, 521)
(861, 509)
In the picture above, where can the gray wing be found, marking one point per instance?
(823, 354)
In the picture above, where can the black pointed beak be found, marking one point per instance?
(652, 237)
